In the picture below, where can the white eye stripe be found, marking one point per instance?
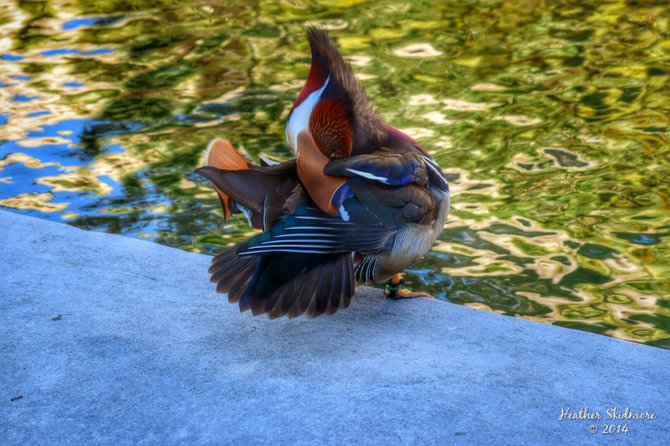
(299, 118)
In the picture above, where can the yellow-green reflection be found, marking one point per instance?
(551, 119)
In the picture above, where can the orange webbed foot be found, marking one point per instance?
(395, 291)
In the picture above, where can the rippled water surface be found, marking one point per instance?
(550, 118)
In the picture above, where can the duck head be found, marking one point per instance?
(332, 118)
(332, 106)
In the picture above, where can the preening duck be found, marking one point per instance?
(360, 203)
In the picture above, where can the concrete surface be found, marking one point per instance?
(110, 340)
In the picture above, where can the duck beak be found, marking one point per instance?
(310, 164)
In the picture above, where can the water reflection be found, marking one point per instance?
(552, 123)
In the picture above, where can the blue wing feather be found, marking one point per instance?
(391, 169)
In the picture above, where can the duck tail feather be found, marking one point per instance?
(288, 284)
(259, 193)
(231, 273)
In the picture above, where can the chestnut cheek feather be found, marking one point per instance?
(329, 125)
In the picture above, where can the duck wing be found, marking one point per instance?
(311, 231)
(391, 168)
(261, 193)
(285, 284)
(382, 167)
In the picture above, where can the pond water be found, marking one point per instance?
(552, 120)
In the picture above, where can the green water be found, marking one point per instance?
(550, 118)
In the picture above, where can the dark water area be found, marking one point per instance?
(551, 119)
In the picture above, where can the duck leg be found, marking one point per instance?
(394, 289)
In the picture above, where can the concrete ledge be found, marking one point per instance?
(110, 340)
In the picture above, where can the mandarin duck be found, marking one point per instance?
(360, 203)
